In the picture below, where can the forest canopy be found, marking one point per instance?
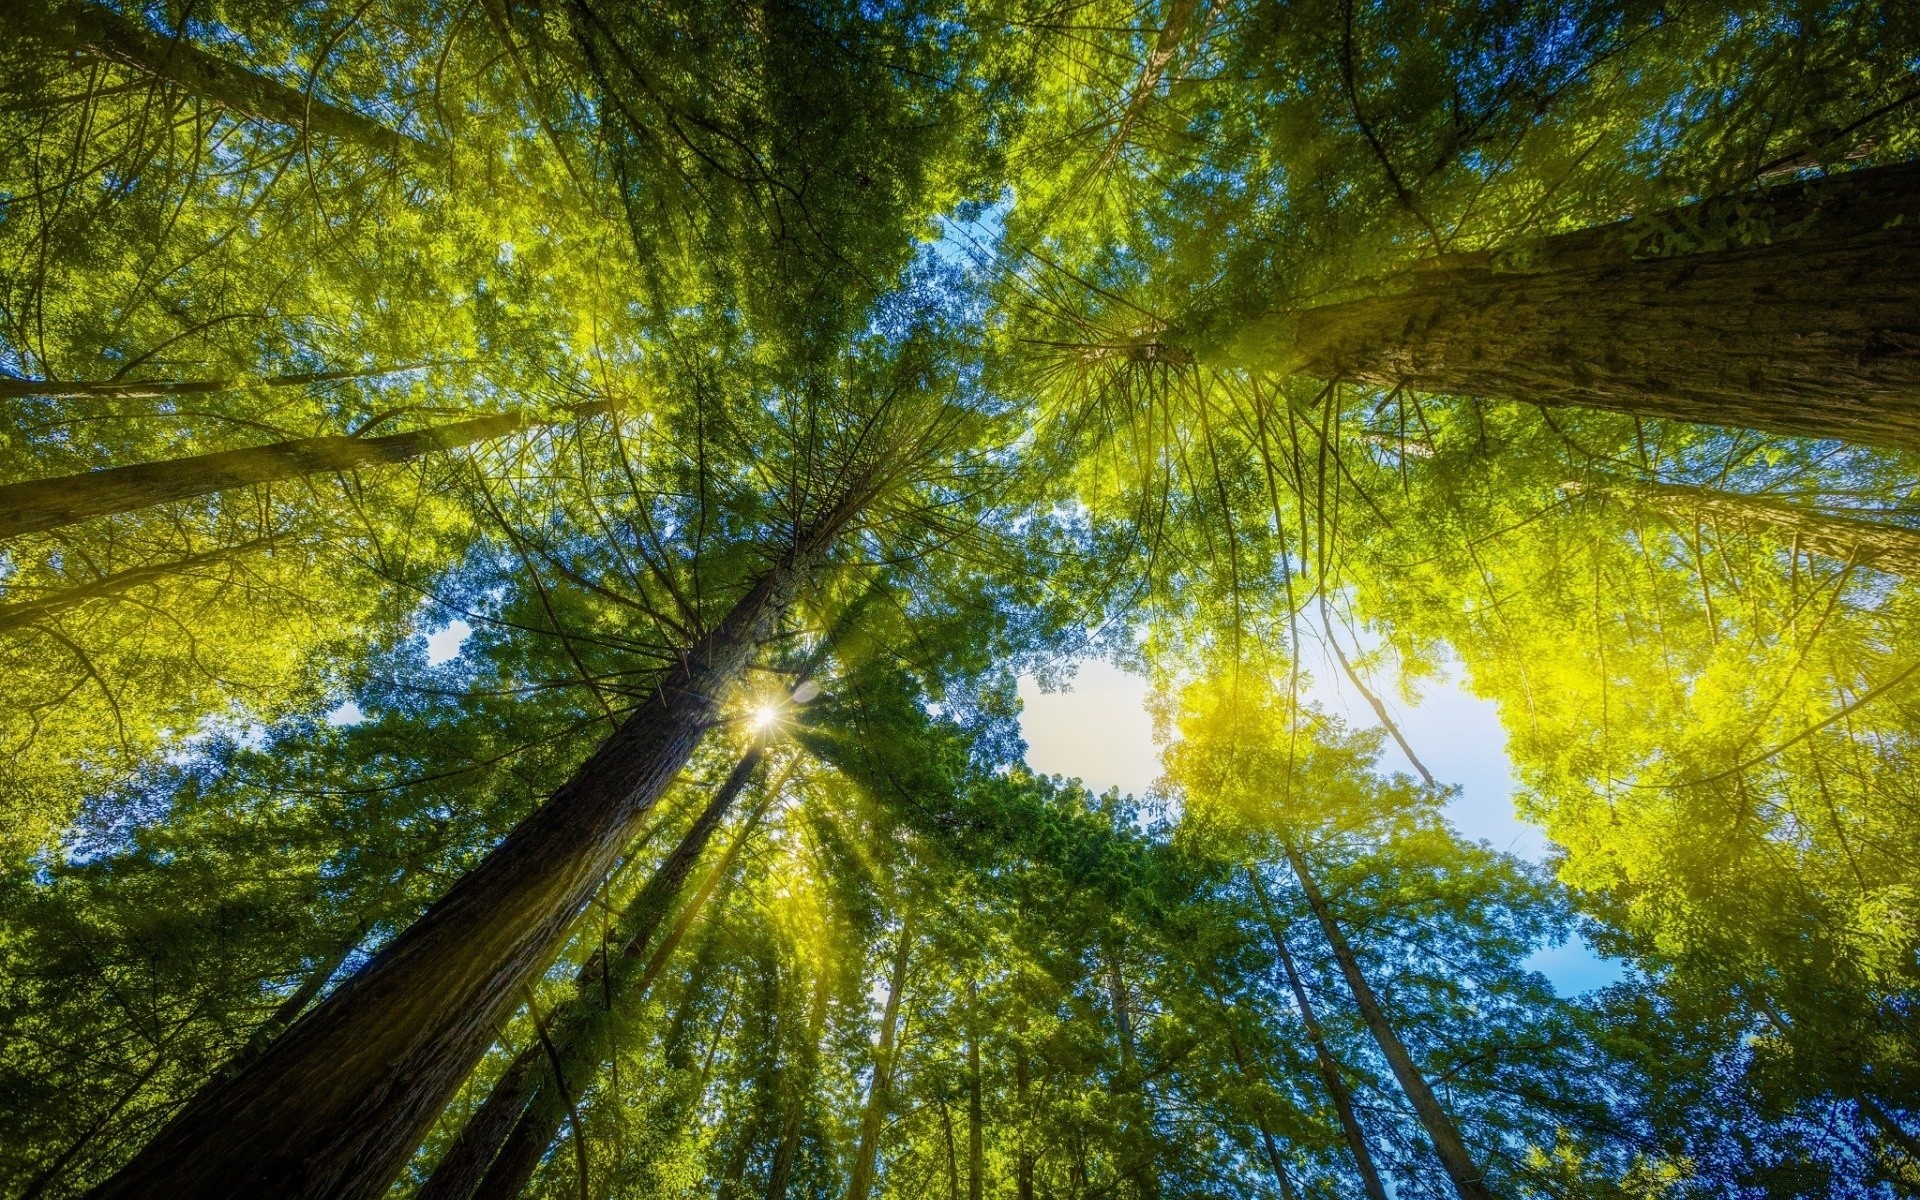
(765, 389)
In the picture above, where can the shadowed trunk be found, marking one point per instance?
(583, 1047)
(96, 30)
(1023, 1159)
(598, 987)
(337, 1104)
(1894, 549)
(30, 612)
(12, 388)
(1322, 1055)
(1468, 1179)
(976, 1134)
(1794, 310)
(873, 1116)
(37, 505)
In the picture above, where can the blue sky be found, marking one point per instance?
(1100, 732)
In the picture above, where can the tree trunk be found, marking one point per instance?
(1894, 549)
(1275, 1163)
(595, 993)
(976, 1135)
(30, 612)
(288, 1011)
(337, 1104)
(1322, 1054)
(1468, 1179)
(12, 388)
(873, 1116)
(37, 505)
(582, 1051)
(96, 30)
(1794, 310)
(1023, 1160)
(781, 1172)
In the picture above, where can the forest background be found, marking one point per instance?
(766, 390)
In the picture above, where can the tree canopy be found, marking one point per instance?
(523, 524)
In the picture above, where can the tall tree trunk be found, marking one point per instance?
(1323, 1057)
(1023, 1159)
(976, 1134)
(781, 1173)
(13, 388)
(1891, 548)
(582, 1050)
(288, 1011)
(1468, 1179)
(873, 1115)
(1275, 1163)
(94, 29)
(337, 1104)
(36, 505)
(26, 613)
(1794, 310)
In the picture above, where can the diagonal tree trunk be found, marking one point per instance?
(26, 613)
(37, 505)
(13, 388)
(336, 1105)
(1467, 1177)
(1894, 549)
(86, 28)
(1793, 310)
(549, 1104)
(873, 1115)
(1322, 1054)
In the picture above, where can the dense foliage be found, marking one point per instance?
(521, 522)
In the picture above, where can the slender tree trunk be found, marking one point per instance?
(1023, 1160)
(41, 504)
(1894, 549)
(1808, 325)
(337, 1104)
(1275, 1163)
(1122, 1010)
(781, 1173)
(12, 388)
(27, 613)
(976, 1134)
(1468, 1179)
(583, 1049)
(873, 1116)
(94, 29)
(288, 1011)
(1322, 1054)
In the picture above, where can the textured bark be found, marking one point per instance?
(1891, 548)
(37, 505)
(1806, 323)
(1467, 1177)
(27, 613)
(582, 1050)
(95, 30)
(599, 986)
(337, 1104)
(12, 388)
(873, 1115)
(1329, 1066)
(1023, 1159)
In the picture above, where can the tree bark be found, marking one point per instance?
(873, 1115)
(1023, 1159)
(595, 993)
(1894, 549)
(96, 30)
(1323, 1057)
(1467, 1177)
(1794, 310)
(584, 1048)
(37, 505)
(337, 1104)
